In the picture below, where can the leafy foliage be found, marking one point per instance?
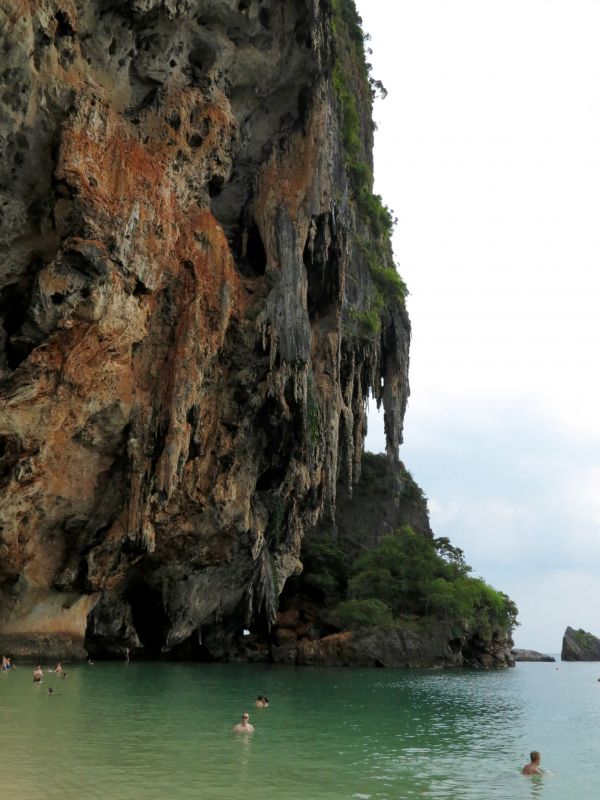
(415, 575)
(326, 568)
(406, 575)
(351, 81)
(355, 614)
(369, 321)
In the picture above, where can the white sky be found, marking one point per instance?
(488, 151)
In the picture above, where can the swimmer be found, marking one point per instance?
(244, 726)
(261, 701)
(58, 668)
(533, 768)
(50, 690)
(37, 674)
(64, 675)
(5, 663)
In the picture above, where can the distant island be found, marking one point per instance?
(579, 645)
(530, 655)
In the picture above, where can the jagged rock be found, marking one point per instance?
(530, 655)
(432, 645)
(578, 645)
(184, 271)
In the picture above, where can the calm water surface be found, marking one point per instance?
(148, 731)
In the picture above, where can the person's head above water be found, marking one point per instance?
(244, 725)
(533, 768)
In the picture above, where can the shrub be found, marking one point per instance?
(369, 322)
(356, 614)
(406, 575)
(407, 572)
(325, 567)
(374, 582)
(353, 86)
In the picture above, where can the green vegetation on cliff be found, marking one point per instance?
(354, 89)
(405, 575)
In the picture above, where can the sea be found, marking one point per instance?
(144, 731)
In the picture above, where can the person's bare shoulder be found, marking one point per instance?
(241, 729)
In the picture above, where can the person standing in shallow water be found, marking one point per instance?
(37, 674)
(244, 726)
(533, 768)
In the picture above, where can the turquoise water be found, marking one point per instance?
(145, 731)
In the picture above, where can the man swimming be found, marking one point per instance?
(533, 768)
(244, 726)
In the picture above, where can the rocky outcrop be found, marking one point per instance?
(530, 655)
(579, 645)
(306, 631)
(428, 643)
(192, 317)
(382, 500)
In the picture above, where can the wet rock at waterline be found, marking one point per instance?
(530, 655)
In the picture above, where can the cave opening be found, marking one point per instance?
(215, 185)
(63, 25)
(255, 255)
(321, 261)
(15, 299)
(191, 649)
(149, 617)
(271, 478)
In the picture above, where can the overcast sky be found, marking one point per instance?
(488, 151)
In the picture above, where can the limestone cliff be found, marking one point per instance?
(197, 296)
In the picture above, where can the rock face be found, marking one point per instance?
(418, 645)
(192, 320)
(382, 500)
(578, 645)
(530, 655)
